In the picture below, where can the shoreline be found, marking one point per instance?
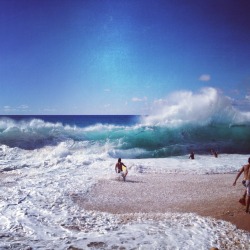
(206, 195)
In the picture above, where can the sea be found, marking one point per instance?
(46, 159)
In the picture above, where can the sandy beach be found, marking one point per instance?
(207, 195)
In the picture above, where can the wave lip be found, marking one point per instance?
(29, 134)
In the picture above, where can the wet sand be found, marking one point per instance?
(206, 195)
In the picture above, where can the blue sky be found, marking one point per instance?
(120, 56)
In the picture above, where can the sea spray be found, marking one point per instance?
(133, 141)
(205, 107)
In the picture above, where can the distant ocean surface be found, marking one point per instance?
(125, 136)
(46, 159)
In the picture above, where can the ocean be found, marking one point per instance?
(128, 136)
(44, 159)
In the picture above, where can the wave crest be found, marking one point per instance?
(30, 134)
(202, 108)
(36, 133)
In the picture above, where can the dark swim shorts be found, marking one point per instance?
(244, 183)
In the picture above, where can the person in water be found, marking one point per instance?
(214, 153)
(118, 169)
(191, 156)
(246, 170)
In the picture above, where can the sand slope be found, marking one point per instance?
(206, 195)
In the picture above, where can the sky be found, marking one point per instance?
(120, 56)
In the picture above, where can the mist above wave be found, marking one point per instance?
(204, 107)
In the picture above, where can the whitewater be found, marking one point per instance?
(47, 160)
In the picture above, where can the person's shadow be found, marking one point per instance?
(130, 181)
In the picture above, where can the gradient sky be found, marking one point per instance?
(120, 56)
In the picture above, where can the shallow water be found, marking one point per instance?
(37, 207)
(46, 162)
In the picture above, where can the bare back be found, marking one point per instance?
(247, 172)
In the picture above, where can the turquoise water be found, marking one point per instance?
(47, 162)
(127, 136)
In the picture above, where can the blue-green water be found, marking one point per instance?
(127, 136)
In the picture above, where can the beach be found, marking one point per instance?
(209, 195)
(59, 189)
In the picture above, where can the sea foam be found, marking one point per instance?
(38, 189)
(44, 165)
(201, 108)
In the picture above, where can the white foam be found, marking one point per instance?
(172, 231)
(186, 107)
(37, 207)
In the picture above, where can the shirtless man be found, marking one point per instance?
(214, 153)
(191, 156)
(246, 170)
(118, 169)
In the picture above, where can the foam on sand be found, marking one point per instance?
(169, 205)
(43, 191)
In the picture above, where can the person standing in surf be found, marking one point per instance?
(191, 156)
(246, 170)
(214, 153)
(121, 168)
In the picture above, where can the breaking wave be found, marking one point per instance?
(203, 108)
(183, 122)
